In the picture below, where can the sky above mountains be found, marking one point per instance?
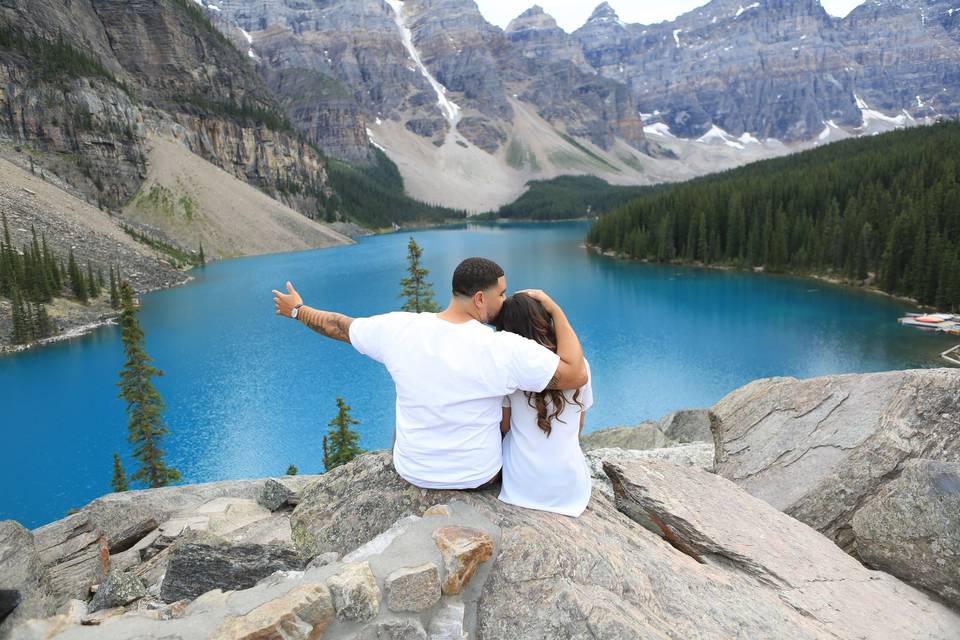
(571, 14)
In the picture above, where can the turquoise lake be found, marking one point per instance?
(247, 393)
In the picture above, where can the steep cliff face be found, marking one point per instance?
(906, 55)
(439, 68)
(84, 81)
(565, 88)
(781, 68)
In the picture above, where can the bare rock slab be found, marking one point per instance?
(406, 629)
(119, 589)
(911, 528)
(413, 588)
(274, 495)
(646, 435)
(303, 613)
(195, 568)
(24, 591)
(75, 556)
(689, 425)
(716, 523)
(818, 449)
(447, 622)
(356, 595)
(463, 550)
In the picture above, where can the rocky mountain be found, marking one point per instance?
(471, 112)
(784, 69)
(85, 82)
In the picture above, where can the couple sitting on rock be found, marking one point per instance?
(461, 387)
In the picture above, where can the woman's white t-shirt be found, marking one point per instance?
(546, 473)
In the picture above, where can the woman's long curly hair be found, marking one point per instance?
(526, 316)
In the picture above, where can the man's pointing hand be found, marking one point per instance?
(285, 302)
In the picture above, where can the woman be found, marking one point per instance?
(543, 465)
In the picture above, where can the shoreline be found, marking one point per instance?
(840, 282)
(86, 328)
(80, 330)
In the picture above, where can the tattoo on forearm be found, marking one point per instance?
(554, 381)
(332, 325)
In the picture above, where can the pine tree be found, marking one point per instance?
(144, 405)
(43, 327)
(6, 262)
(342, 445)
(417, 291)
(77, 285)
(21, 333)
(114, 294)
(99, 280)
(93, 291)
(119, 481)
(201, 257)
(292, 470)
(50, 265)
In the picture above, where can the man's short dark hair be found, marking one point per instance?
(475, 274)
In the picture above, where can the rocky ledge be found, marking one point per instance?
(668, 548)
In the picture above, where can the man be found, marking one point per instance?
(451, 372)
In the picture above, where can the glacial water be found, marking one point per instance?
(247, 393)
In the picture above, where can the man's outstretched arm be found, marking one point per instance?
(327, 323)
(333, 325)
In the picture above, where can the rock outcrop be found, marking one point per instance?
(661, 559)
(911, 527)
(822, 450)
(142, 66)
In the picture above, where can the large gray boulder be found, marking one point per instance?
(819, 449)
(688, 425)
(195, 568)
(26, 590)
(773, 560)
(911, 527)
(646, 435)
(696, 454)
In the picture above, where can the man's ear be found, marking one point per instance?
(478, 299)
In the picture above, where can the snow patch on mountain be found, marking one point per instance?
(450, 110)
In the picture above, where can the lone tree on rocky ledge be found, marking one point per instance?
(416, 289)
(144, 404)
(341, 447)
(119, 481)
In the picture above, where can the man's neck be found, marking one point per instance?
(458, 314)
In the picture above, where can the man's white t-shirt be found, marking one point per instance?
(450, 379)
(541, 472)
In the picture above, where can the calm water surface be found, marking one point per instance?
(249, 393)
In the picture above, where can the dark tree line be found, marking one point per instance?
(883, 210)
(373, 196)
(568, 197)
(34, 276)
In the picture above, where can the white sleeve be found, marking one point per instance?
(370, 336)
(586, 391)
(530, 365)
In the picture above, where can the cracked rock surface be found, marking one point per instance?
(818, 449)
(821, 449)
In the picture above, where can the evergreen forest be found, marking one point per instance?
(33, 277)
(882, 210)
